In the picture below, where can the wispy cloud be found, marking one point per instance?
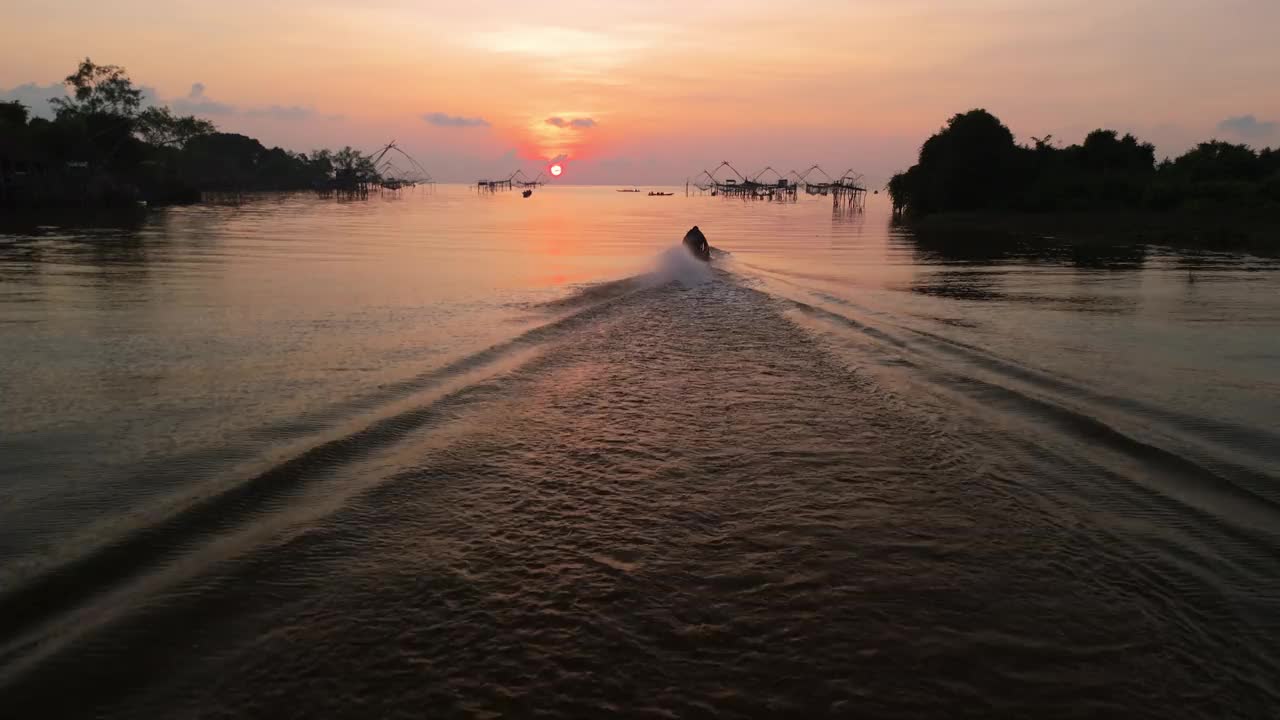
(440, 119)
(580, 123)
(282, 112)
(1248, 127)
(196, 103)
(558, 41)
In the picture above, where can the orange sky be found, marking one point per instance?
(652, 91)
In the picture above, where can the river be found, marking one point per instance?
(473, 455)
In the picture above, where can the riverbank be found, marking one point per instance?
(1253, 231)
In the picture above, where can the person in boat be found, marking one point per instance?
(696, 242)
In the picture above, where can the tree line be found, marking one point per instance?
(103, 147)
(974, 163)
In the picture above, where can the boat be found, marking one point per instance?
(659, 194)
(629, 190)
(697, 244)
(527, 193)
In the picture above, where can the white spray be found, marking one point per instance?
(679, 265)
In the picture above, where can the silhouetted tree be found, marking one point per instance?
(321, 162)
(352, 167)
(969, 164)
(104, 147)
(1104, 151)
(1217, 160)
(973, 163)
(229, 161)
(1269, 161)
(13, 114)
(99, 89)
(160, 127)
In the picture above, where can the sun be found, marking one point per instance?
(556, 170)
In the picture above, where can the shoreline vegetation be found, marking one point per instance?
(104, 150)
(972, 177)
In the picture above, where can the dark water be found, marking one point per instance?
(459, 456)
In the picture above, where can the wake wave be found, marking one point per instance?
(467, 380)
(321, 446)
(1169, 466)
(681, 460)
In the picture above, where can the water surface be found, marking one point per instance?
(474, 455)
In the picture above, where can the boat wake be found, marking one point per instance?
(698, 478)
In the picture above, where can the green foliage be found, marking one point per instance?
(973, 163)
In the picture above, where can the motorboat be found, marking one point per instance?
(697, 244)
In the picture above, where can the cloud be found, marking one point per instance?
(1248, 126)
(579, 123)
(282, 112)
(440, 119)
(35, 97)
(558, 159)
(196, 103)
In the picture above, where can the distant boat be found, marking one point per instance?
(629, 190)
(659, 194)
(527, 193)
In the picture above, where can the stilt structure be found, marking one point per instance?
(740, 186)
(770, 184)
(392, 177)
(524, 180)
(493, 185)
(816, 187)
(512, 181)
(849, 191)
(356, 174)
